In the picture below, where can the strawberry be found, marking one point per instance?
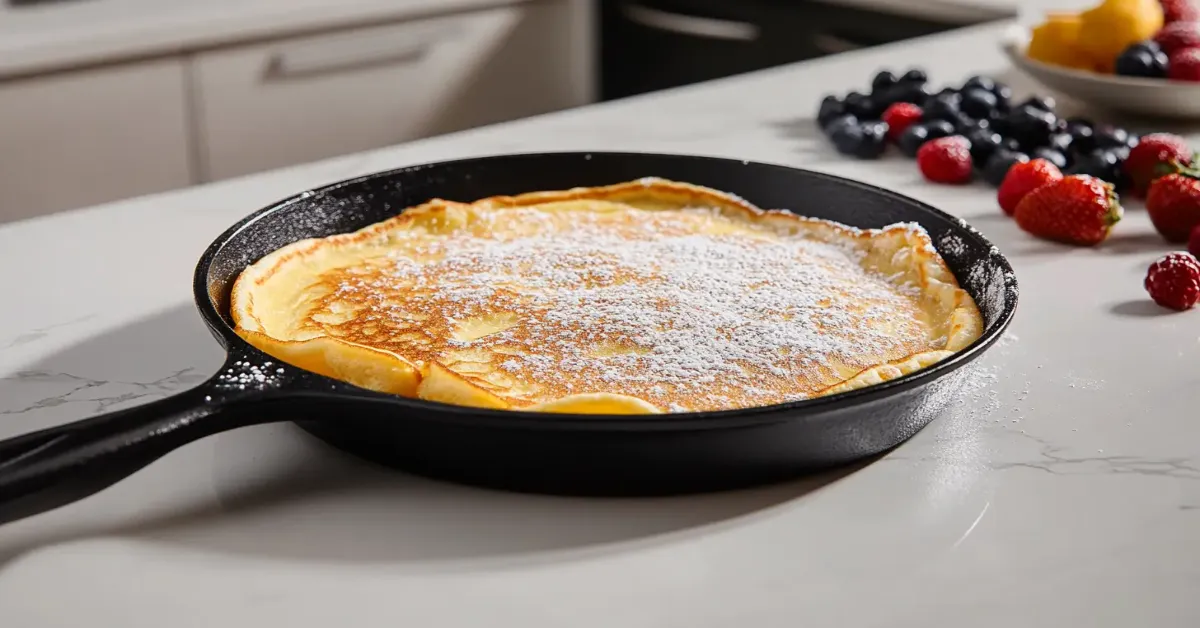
(1177, 36)
(1173, 281)
(900, 116)
(1194, 241)
(1173, 204)
(1077, 209)
(946, 159)
(1179, 11)
(1154, 151)
(1023, 178)
(1184, 65)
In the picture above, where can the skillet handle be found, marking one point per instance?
(43, 470)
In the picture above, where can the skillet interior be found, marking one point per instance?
(597, 454)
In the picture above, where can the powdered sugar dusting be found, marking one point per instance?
(640, 303)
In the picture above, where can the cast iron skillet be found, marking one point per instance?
(553, 453)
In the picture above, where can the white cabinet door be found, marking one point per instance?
(81, 138)
(295, 100)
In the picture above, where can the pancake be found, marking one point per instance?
(648, 296)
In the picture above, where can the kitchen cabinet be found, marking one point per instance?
(196, 113)
(266, 105)
(81, 138)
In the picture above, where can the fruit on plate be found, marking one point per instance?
(1110, 27)
(1077, 209)
(1194, 241)
(1144, 59)
(1184, 65)
(1023, 178)
(946, 160)
(1173, 281)
(1179, 11)
(1152, 158)
(1173, 204)
(1056, 41)
(1178, 36)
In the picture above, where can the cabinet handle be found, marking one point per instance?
(705, 27)
(283, 66)
(833, 44)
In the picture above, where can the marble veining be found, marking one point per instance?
(89, 394)
(1060, 490)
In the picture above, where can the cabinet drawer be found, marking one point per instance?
(92, 136)
(295, 100)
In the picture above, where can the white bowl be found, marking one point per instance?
(1144, 96)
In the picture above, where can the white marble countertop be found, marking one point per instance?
(1065, 491)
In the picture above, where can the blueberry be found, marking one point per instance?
(914, 76)
(978, 103)
(948, 92)
(1011, 144)
(1138, 60)
(1003, 94)
(1100, 163)
(916, 93)
(1031, 126)
(1045, 103)
(1083, 139)
(844, 120)
(912, 138)
(1000, 125)
(997, 167)
(983, 144)
(943, 107)
(1114, 137)
(939, 128)
(1148, 44)
(966, 124)
(1051, 155)
(831, 107)
(883, 80)
(847, 138)
(981, 82)
(1061, 142)
(873, 142)
(861, 106)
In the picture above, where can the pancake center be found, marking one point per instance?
(688, 310)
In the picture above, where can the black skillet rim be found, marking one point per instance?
(804, 408)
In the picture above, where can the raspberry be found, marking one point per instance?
(1194, 242)
(946, 160)
(1179, 11)
(1173, 281)
(1185, 65)
(899, 117)
(1177, 36)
